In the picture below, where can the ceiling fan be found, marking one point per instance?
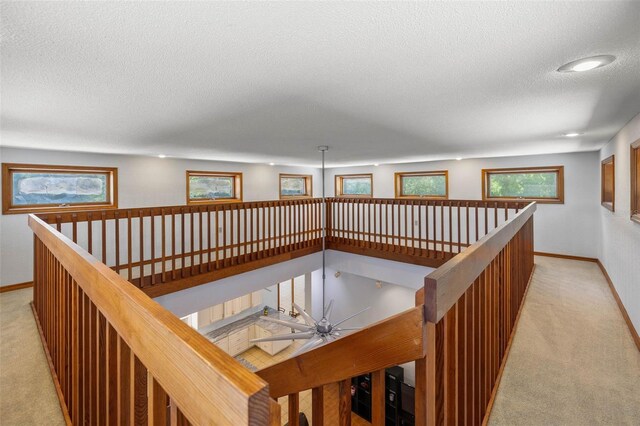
(317, 332)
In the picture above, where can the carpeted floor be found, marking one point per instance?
(573, 360)
(27, 394)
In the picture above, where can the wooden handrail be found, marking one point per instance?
(448, 283)
(392, 341)
(207, 385)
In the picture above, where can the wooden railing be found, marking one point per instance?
(120, 358)
(426, 232)
(471, 305)
(165, 249)
(114, 350)
(458, 336)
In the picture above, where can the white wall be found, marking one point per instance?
(569, 228)
(620, 237)
(142, 182)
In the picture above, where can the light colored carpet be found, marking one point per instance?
(573, 360)
(27, 393)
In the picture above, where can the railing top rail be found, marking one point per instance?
(123, 213)
(81, 216)
(447, 284)
(208, 385)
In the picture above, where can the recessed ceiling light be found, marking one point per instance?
(586, 64)
(376, 164)
(272, 164)
(572, 134)
(458, 158)
(162, 156)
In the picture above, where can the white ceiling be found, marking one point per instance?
(268, 82)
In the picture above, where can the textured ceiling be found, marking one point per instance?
(268, 82)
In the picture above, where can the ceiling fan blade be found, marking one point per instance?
(290, 324)
(290, 336)
(308, 346)
(307, 318)
(354, 315)
(327, 311)
(347, 328)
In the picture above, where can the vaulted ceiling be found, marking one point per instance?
(268, 82)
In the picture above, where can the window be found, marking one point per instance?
(635, 181)
(212, 187)
(542, 184)
(607, 190)
(295, 186)
(354, 185)
(29, 188)
(422, 185)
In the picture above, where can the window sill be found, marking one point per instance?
(57, 209)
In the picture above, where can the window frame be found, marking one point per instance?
(398, 176)
(609, 205)
(308, 182)
(8, 169)
(634, 201)
(237, 182)
(559, 170)
(339, 185)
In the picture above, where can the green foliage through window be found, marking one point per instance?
(356, 186)
(293, 186)
(523, 185)
(424, 186)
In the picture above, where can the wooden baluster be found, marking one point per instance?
(217, 230)
(89, 233)
(129, 252)
(294, 409)
(467, 223)
(209, 263)
(450, 229)
(495, 214)
(247, 233)
(344, 404)
(476, 218)
(104, 238)
(224, 236)
(183, 266)
(173, 245)
(153, 246)
(378, 397)
(141, 262)
(157, 402)
(317, 406)
(74, 227)
(420, 228)
(163, 223)
(201, 245)
(192, 243)
(442, 229)
(486, 218)
(238, 243)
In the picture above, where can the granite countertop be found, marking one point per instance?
(245, 322)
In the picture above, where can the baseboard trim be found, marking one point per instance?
(54, 376)
(565, 256)
(494, 392)
(623, 310)
(18, 286)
